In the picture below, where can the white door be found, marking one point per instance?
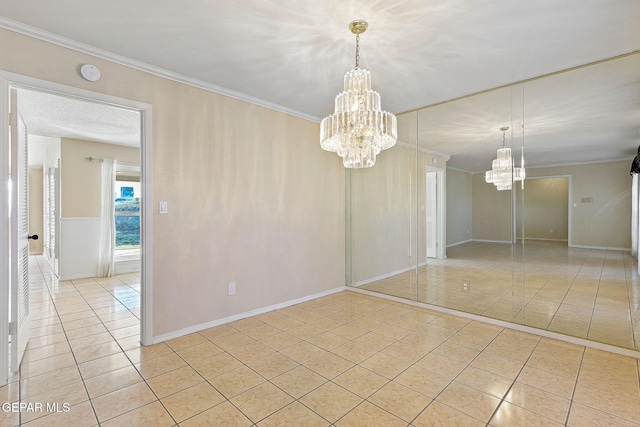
(432, 214)
(19, 324)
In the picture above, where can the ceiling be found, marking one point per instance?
(589, 114)
(293, 55)
(54, 115)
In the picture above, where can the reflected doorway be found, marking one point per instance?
(434, 214)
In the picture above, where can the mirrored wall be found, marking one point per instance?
(553, 251)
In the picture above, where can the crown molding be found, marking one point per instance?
(48, 37)
(423, 150)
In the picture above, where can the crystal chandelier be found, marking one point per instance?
(358, 129)
(503, 173)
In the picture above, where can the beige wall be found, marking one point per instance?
(459, 206)
(492, 211)
(546, 209)
(35, 210)
(81, 179)
(600, 215)
(605, 221)
(388, 213)
(252, 197)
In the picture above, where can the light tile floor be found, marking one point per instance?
(586, 293)
(346, 359)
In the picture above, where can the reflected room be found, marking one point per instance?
(549, 247)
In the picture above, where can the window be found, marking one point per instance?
(127, 210)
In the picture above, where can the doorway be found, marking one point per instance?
(10, 80)
(434, 214)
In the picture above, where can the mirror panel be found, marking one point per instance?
(554, 255)
(379, 209)
(477, 272)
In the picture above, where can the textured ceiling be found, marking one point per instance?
(53, 115)
(293, 55)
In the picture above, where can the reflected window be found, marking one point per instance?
(127, 210)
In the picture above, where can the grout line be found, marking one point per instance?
(366, 312)
(585, 258)
(575, 387)
(53, 302)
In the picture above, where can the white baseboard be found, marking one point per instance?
(228, 319)
(599, 247)
(491, 241)
(384, 276)
(126, 266)
(460, 243)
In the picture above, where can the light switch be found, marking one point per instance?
(163, 207)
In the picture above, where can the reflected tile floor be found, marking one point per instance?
(586, 293)
(346, 359)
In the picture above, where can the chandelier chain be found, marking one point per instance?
(357, 50)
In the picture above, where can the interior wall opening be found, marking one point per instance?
(48, 183)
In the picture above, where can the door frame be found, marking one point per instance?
(441, 212)
(8, 79)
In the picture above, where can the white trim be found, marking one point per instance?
(570, 207)
(606, 248)
(147, 68)
(146, 157)
(460, 243)
(592, 162)
(126, 266)
(571, 246)
(423, 150)
(515, 326)
(80, 218)
(4, 233)
(146, 226)
(386, 275)
(228, 319)
(544, 239)
(461, 170)
(441, 184)
(559, 165)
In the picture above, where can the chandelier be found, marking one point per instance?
(503, 173)
(358, 129)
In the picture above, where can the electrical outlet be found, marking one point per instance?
(232, 288)
(466, 286)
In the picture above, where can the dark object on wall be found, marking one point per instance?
(635, 166)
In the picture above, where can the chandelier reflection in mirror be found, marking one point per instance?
(358, 129)
(503, 173)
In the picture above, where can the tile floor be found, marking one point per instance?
(346, 359)
(587, 293)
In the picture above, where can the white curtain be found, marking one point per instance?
(108, 222)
